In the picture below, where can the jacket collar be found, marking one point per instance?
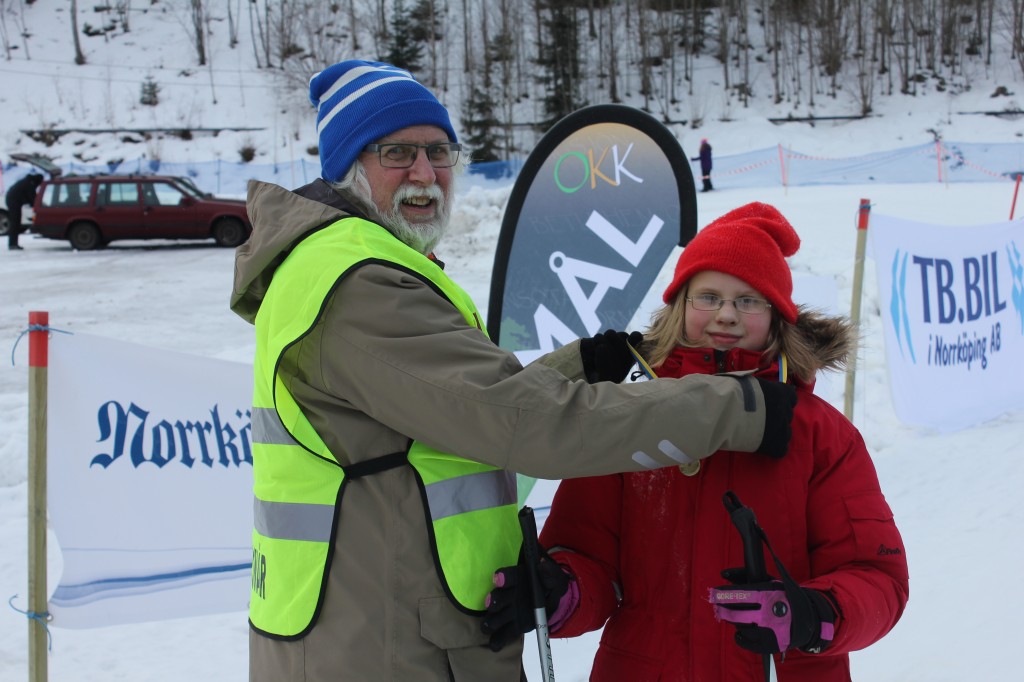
(684, 360)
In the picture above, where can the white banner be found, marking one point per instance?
(149, 482)
(952, 304)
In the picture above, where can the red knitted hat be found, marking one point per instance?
(752, 243)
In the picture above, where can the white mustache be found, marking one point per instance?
(431, 192)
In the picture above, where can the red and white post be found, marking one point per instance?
(858, 285)
(38, 352)
(1016, 188)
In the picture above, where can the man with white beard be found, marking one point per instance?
(386, 426)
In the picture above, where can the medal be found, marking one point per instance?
(690, 468)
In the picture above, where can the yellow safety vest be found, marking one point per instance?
(299, 483)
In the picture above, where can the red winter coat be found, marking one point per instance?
(663, 538)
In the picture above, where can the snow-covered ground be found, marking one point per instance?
(954, 494)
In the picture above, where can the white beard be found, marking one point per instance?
(421, 236)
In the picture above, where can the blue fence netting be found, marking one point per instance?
(768, 167)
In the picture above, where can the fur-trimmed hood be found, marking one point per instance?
(827, 341)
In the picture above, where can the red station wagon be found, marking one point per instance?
(90, 211)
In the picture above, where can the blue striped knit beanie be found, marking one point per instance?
(359, 102)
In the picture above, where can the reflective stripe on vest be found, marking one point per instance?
(298, 482)
(471, 493)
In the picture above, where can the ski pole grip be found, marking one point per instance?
(746, 523)
(531, 553)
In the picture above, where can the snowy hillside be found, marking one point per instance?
(231, 106)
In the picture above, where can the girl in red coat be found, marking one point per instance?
(645, 551)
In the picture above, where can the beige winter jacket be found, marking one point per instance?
(390, 360)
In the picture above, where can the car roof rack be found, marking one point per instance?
(40, 162)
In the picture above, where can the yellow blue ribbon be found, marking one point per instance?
(644, 367)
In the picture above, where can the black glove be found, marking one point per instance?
(510, 606)
(779, 400)
(774, 616)
(606, 357)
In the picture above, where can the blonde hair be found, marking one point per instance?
(816, 341)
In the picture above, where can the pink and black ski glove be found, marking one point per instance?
(772, 617)
(510, 604)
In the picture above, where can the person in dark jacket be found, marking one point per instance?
(646, 552)
(705, 164)
(21, 193)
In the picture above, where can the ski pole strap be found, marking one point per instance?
(753, 536)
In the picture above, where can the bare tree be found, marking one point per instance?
(883, 33)
(467, 44)
(773, 34)
(505, 59)
(124, 12)
(79, 55)
(429, 19)
(20, 29)
(445, 47)
(314, 38)
(646, 60)
(862, 55)
(613, 56)
(724, 39)
(743, 48)
(234, 15)
(1014, 16)
(259, 31)
(902, 46)
(988, 33)
(286, 24)
(4, 36)
(353, 26)
(379, 27)
(197, 29)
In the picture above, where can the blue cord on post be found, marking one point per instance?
(41, 618)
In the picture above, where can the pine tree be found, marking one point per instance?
(559, 58)
(404, 51)
(150, 95)
(425, 22)
(481, 126)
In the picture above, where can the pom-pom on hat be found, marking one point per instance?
(752, 243)
(359, 102)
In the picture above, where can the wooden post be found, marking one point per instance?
(858, 285)
(38, 338)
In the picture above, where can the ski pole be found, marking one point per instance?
(753, 556)
(531, 554)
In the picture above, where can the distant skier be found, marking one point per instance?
(21, 193)
(705, 164)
